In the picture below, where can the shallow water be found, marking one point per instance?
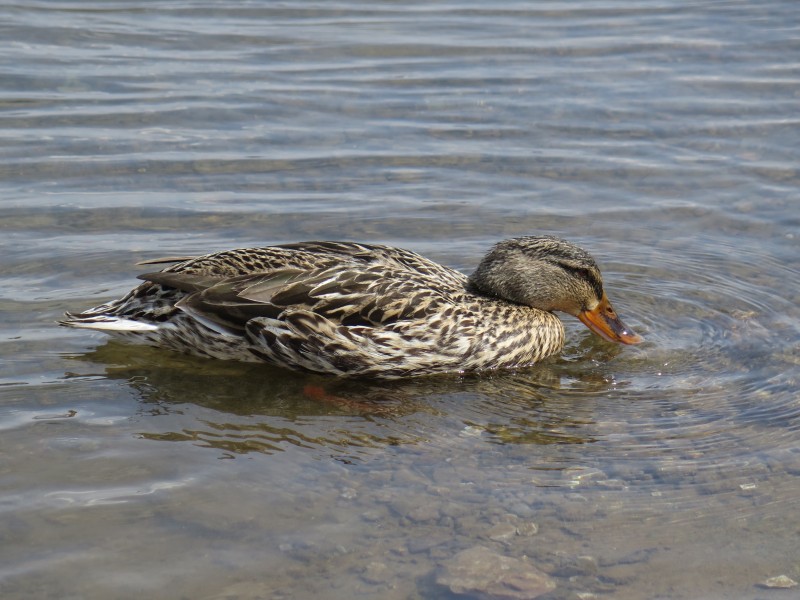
(662, 137)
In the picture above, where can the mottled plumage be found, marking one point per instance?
(354, 309)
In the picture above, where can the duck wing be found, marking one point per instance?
(309, 256)
(164, 260)
(349, 294)
(218, 301)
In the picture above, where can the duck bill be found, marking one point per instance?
(604, 322)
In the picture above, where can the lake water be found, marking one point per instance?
(662, 136)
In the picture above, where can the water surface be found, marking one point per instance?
(660, 136)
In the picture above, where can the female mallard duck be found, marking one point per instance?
(365, 310)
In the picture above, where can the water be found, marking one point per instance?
(661, 136)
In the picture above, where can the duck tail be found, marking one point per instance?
(107, 323)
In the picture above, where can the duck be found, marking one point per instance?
(352, 309)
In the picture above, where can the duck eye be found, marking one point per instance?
(580, 272)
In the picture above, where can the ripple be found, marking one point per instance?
(440, 127)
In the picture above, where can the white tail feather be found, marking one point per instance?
(113, 324)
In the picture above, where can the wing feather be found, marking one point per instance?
(165, 260)
(349, 285)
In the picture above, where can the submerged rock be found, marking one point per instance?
(484, 574)
(779, 582)
(502, 532)
(376, 572)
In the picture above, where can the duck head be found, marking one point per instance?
(551, 274)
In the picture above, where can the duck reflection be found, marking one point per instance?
(241, 408)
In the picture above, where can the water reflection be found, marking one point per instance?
(242, 408)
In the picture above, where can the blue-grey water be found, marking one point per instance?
(660, 135)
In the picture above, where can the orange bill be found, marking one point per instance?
(605, 323)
